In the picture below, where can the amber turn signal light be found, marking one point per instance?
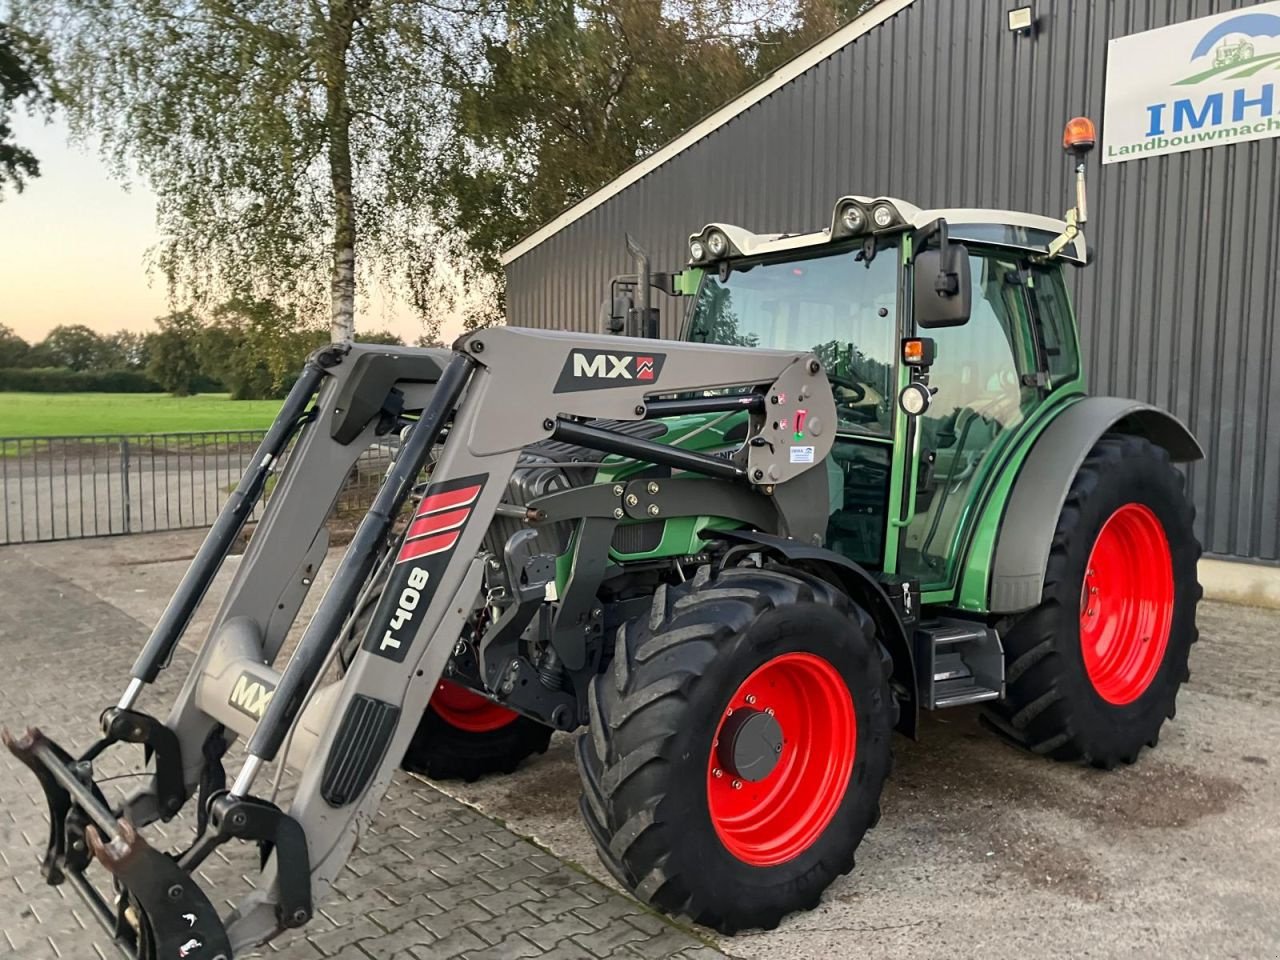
(1080, 136)
(918, 352)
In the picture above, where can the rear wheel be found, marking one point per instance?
(1094, 671)
(738, 747)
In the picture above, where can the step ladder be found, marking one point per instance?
(959, 662)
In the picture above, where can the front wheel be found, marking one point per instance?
(738, 748)
(1094, 671)
(462, 735)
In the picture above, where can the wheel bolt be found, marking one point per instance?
(717, 772)
(737, 784)
(751, 698)
(769, 711)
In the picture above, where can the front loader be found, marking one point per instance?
(867, 482)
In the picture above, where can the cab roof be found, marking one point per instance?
(1027, 232)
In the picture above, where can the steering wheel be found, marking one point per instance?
(850, 408)
(858, 390)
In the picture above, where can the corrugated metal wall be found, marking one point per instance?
(943, 106)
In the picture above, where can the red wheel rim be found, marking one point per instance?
(1126, 604)
(777, 818)
(461, 708)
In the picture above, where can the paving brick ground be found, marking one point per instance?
(431, 879)
(983, 850)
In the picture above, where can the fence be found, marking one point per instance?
(64, 488)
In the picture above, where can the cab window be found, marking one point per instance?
(836, 306)
(1054, 324)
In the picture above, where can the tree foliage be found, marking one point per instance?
(278, 137)
(174, 363)
(14, 351)
(301, 152)
(76, 347)
(566, 94)
(20, 59)
(255, 347)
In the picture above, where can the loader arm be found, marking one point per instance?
(466, 414)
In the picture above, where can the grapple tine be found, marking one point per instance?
(174, 918)
(179, 919)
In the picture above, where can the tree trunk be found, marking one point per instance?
(338, 117)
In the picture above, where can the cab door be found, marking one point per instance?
(987, 380)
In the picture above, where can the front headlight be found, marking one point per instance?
(717, 243)
(884, 215)
(697, 250)
(853, 218)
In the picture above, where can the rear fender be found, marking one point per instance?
(863, 587)
(1044, 479)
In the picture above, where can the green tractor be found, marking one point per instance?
(1034, 543)
(866, 483)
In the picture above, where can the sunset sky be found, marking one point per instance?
(73, 248)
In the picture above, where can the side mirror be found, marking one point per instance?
(614, 313)
(943, 294)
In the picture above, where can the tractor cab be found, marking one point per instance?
(943, 334)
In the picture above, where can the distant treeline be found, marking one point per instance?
(250, 349)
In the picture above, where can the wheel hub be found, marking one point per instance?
(750, 744)
(781, 759)
(1126, 604)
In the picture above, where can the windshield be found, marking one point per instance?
(836, 306)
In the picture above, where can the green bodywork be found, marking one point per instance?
(956, 573)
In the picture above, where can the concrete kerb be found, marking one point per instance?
(1247, 584)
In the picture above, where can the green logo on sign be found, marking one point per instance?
(1237, 56)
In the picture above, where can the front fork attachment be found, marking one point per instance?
(160, 912)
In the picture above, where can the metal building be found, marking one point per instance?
(942, 103)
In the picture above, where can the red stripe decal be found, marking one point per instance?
(435, 502)
(426, 546)
(437, 523)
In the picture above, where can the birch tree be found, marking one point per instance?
(285, 140)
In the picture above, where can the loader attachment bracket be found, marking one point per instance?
(369, 390)
(131, 726)
(162, 912)
(248, 818)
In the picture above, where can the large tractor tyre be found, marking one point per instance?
(462, 735)
(738, 746)
(1093, 671)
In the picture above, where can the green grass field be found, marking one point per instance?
(65, 414)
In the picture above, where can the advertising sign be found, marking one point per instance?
(1194, 85)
